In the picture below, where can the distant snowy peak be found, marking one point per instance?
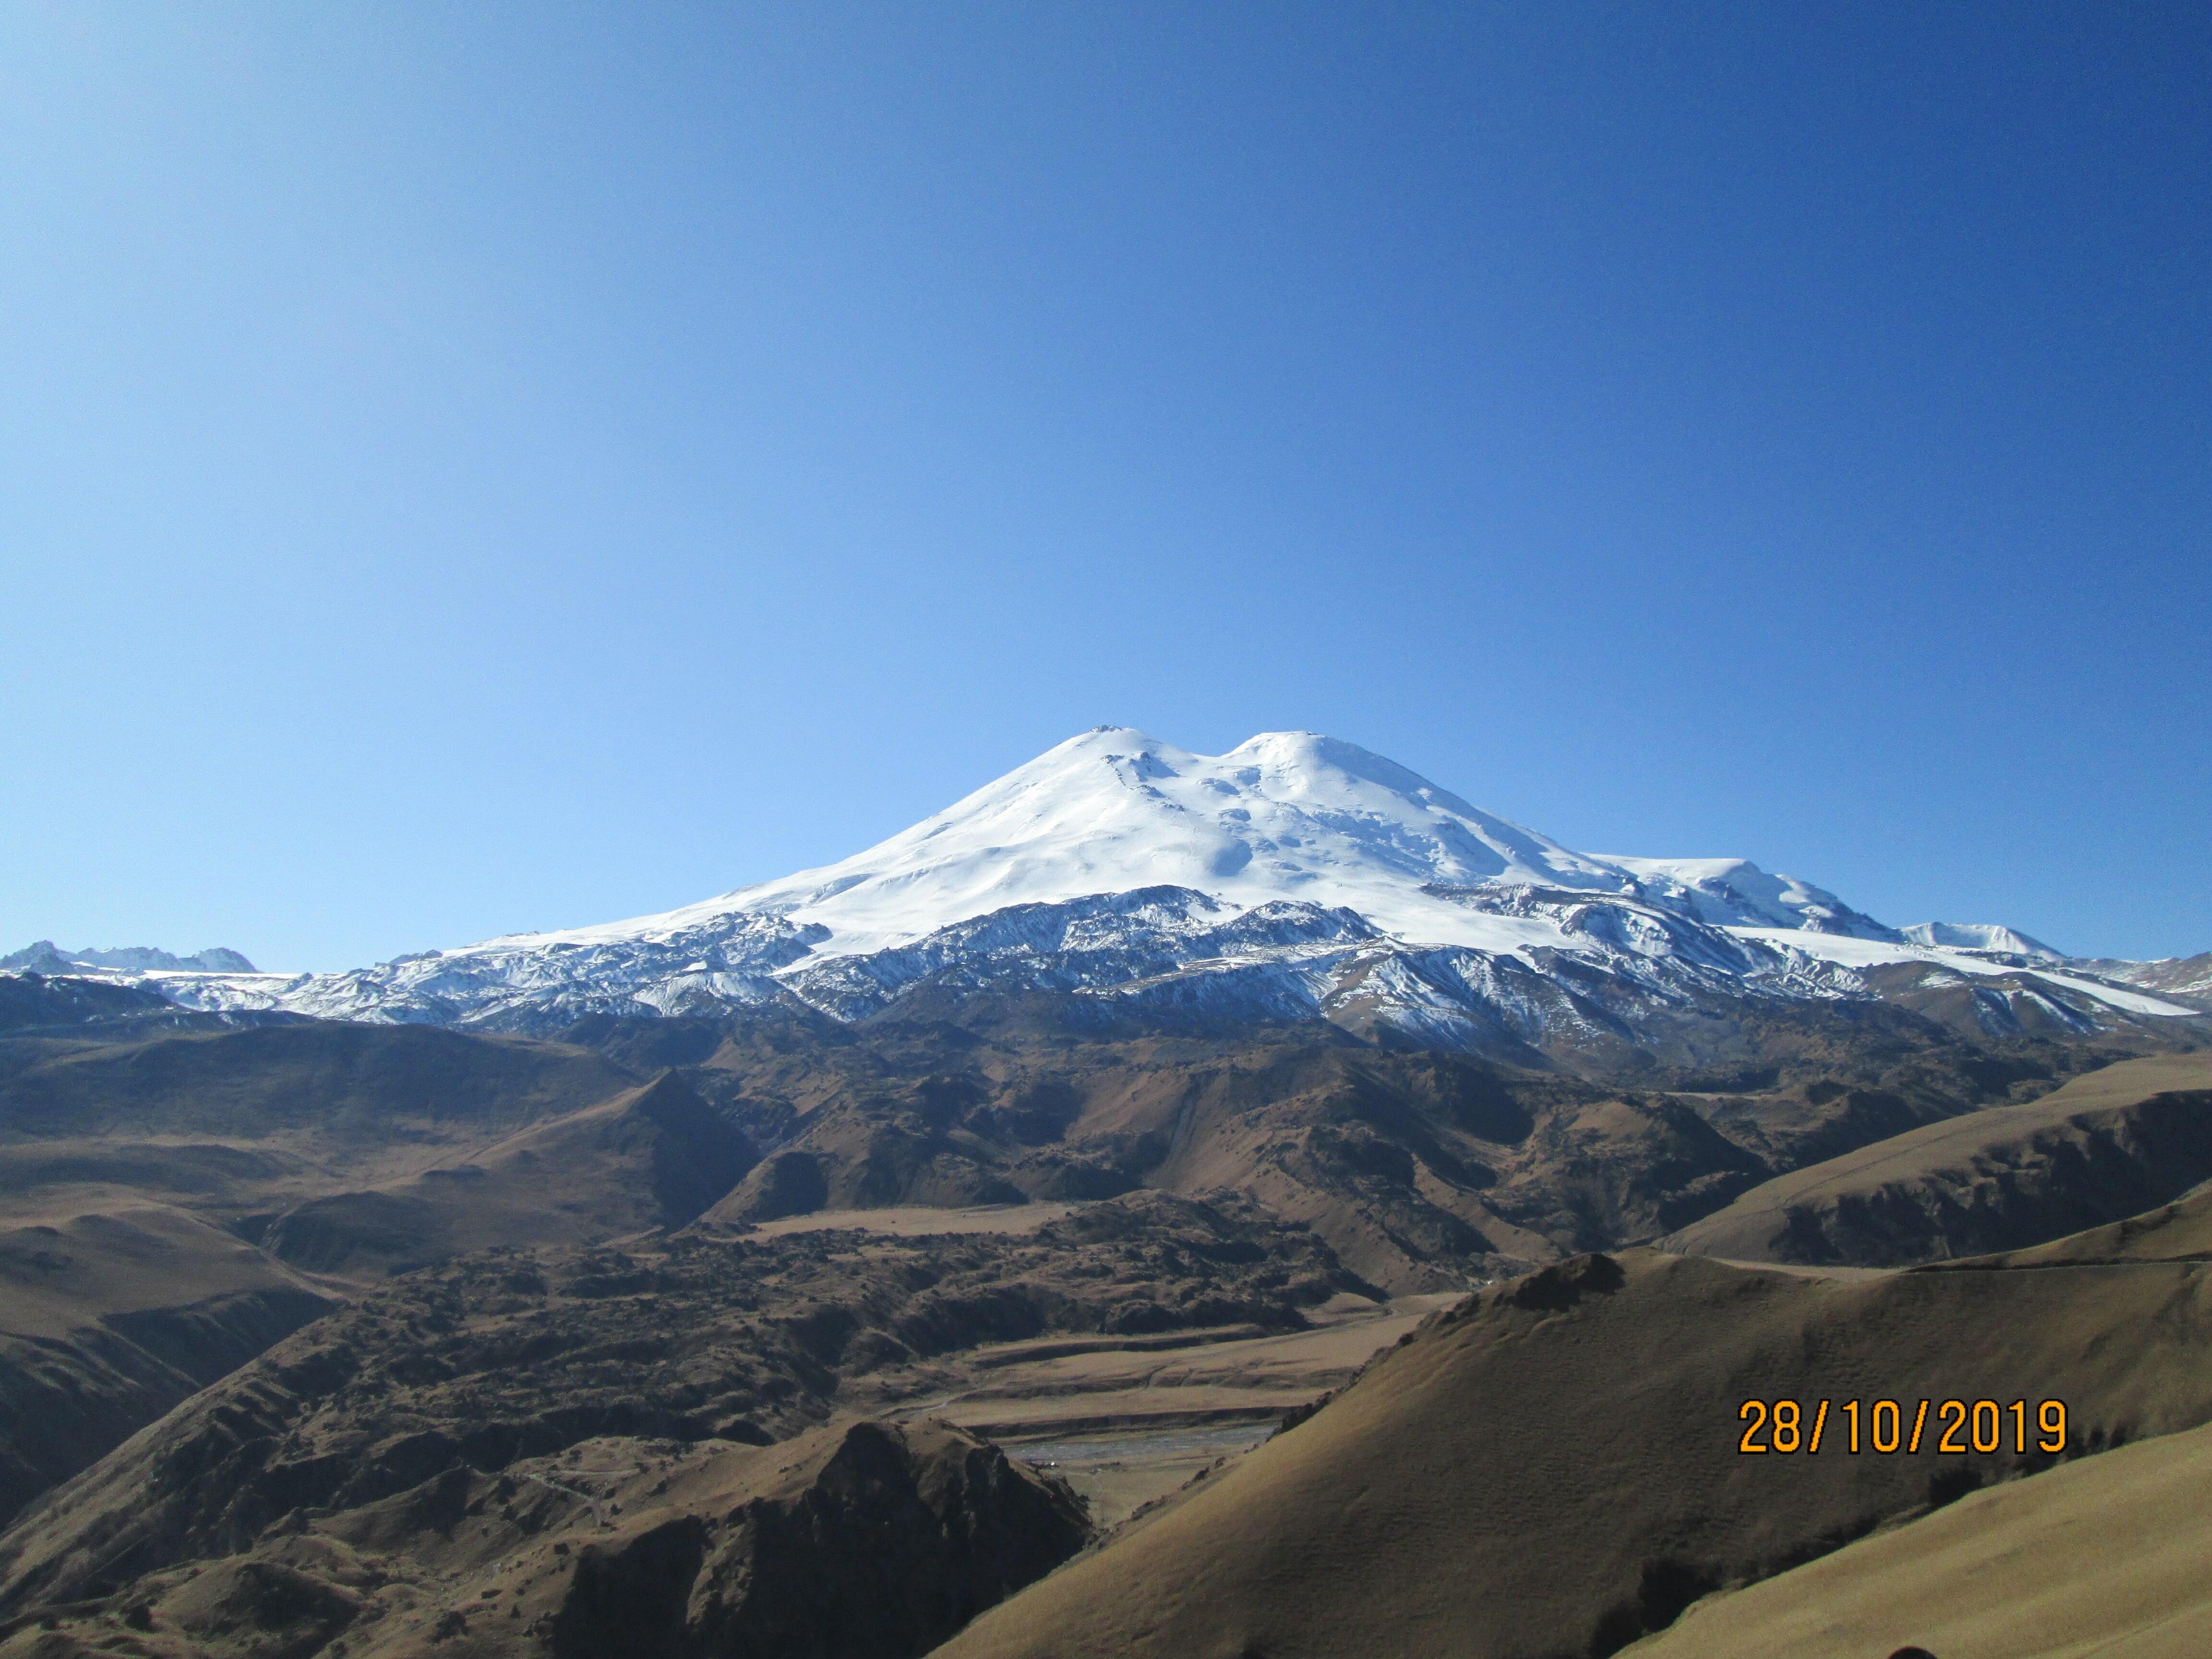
(1286, 816)
(1297, 876)
(1981, 936)
(2190, 975)
(1737, 893)
(44, 956)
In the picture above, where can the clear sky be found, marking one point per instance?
(466, 468)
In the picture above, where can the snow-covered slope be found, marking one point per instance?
(1981, 936)
(2185, 976)
(1288, 815)
(1295, 876)
(1737, 893)
(44, 956)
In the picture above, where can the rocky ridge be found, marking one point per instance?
(1295, 878)
(701, 1339)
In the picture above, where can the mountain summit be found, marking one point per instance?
(1285, 816)
(1296, 877)
(45, 957)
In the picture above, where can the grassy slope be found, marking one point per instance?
(125, 1166)
(2105, 1557)
(2102, 1147)
(1553, 1469)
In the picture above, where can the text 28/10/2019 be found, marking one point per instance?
(1979, 1426)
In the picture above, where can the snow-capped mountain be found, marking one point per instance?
(1295, 876)
(1981, 936)
(45, 957)
(1286, 817)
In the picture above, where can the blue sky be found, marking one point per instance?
(470, 469)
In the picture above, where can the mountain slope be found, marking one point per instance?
(45, 957)
(113, 1310)
(2101, 1148)
(864, 1539)
(339, 1089)
(2187, 976)
(512, 1355)
(1420, 1168)
(2104, 1557)
(1295, 878)
(141, 1178)
(653, 1156)
(1552, 1467)
(1982, 936)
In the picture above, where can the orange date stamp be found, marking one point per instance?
(1960, 1426)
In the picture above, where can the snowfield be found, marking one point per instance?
(1295, 876)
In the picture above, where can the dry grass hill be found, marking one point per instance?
(503, 1356)
(582, 1371)
(172, 1204)
(2103, 1146)
(1553, 1468)
(856, 1539)
(113, 1310)
(2104, 1557)
(1421, 1169)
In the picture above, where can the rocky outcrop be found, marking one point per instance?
(858, 1540)
(498, 1362)
(881, 1540)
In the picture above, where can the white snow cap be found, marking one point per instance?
(1289, 818)
(1285, 815)
(1980, 936)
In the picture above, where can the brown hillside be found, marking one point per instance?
(651, 1156)
(2180, 1231)
(1553, 1468)
(114, 1309)
(138, 1178)
(864, 1539)
(343, 1086)
(1421, 1169)
(2104, 1557)
(506, 1355)
(2103, 1147)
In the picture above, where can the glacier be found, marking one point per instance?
(1296, 877)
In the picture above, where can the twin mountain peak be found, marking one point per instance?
(1297, 876)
